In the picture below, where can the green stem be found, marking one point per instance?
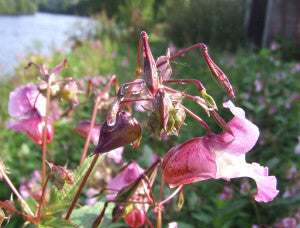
(85, 178)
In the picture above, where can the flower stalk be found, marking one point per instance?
(85, 178)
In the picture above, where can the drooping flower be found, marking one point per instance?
(28, 105)
(220, 156)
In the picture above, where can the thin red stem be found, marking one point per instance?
(28, 218)
(171, 196)
(45, 132)
(199, 84)
(85, 178)
(43, 195)
(88, 138)
(11, 185)
(197, 118)
(149, 222)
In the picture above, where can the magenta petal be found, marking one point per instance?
(246, 134)
(132, 172)
(189, 162)
(33, 127)
(83, 127)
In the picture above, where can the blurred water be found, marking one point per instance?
(20, 35)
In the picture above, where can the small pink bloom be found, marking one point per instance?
(297, 148)
(295, 97)
(286, 223)
(295, 68)
(125, 62)
(90, 199)
(273, 109)
(83, 129)
(220, 156)
(96, 44)
(274, 46)
(262, 100)
(258, 85)
(226, 193)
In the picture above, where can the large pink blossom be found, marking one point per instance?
(28, 105)
(220, 156)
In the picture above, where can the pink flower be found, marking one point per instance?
(226, 193)
(33, 127)
(286, 223)
(116, 154)
(131, 173)
(83, 127)
(258, 85)
(24, 99)
(220, 156)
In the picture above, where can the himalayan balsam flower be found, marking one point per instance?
(28, 106)
(220, 156)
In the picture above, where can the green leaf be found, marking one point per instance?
(55, 222)
(31, 203)
(85, 216)
(57, 207)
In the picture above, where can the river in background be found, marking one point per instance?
(38, 33)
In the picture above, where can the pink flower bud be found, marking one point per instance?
(69, 92)
(121, 131)
(136, 218)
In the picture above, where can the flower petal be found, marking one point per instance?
(24, 99)
(246, 134)
(189, 162)
(231, 166)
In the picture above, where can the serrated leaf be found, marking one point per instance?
(57, 207)
(85, 216)
(55, 222)
(69, 191)
(31, 203)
